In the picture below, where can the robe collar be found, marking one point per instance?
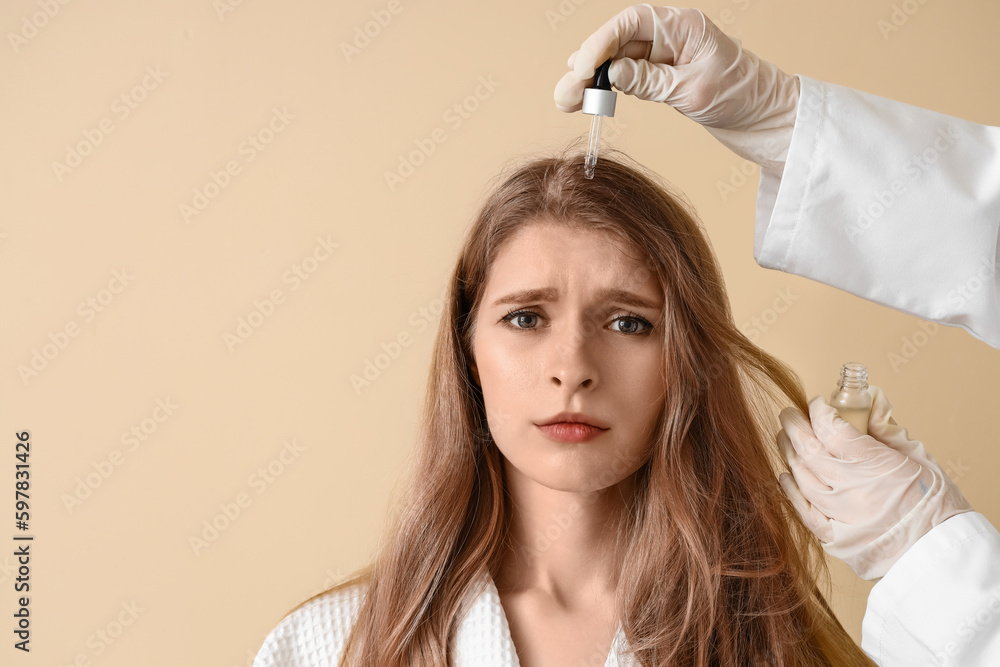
(483, 636)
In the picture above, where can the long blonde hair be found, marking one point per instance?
(719, 569)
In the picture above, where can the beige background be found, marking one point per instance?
(124, 538)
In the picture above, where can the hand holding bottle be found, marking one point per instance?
(867, 497)
(678, 56)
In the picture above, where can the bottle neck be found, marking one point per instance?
(854, 375)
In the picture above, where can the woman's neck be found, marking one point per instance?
(562, 544)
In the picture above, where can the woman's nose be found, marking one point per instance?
(571, 356)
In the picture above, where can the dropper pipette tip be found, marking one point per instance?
(590, 163)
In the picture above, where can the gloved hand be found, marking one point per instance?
(678, 56)
(867, 497)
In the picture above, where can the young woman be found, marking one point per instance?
(596, 481)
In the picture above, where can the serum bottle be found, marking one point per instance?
(851, 398)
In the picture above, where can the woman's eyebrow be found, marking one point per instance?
(547, 294)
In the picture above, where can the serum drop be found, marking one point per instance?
(851, 398)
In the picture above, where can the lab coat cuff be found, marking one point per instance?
(949, 570)
(781, 193)
(941, 546)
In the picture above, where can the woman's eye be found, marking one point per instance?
(634, 325)
(518, 317)
(630, 324)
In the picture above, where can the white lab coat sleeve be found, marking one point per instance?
(890, 202)
(939, 604)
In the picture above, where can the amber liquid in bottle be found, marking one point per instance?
(851, 398)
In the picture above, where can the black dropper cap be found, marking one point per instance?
(602, 79)
(599, 98)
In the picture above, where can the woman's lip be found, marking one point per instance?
(570, 431)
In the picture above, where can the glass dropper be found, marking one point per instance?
(598, 100)
(595, 137)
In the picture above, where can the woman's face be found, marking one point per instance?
(579, 348)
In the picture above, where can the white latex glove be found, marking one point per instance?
(678, 56)
(867, 497)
